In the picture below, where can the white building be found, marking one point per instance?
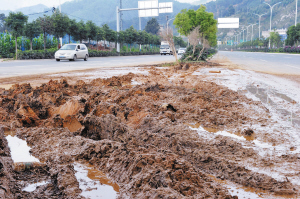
(282, 33)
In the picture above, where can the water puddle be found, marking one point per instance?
(20, 150)
(249, 192)
(94, 183)
(32, 187)
(204, 131)
(223, 133)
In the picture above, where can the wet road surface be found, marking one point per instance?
(276, 63)
(35, 67)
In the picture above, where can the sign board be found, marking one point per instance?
(148, 12)
(166, 10)
(228, 22)
(228, 26)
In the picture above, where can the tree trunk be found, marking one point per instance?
(31, 44)
(44, 40)
(200, 53)
(69, 39)
(16, 48)
(81, 41)
(97, 45)
(58, 42)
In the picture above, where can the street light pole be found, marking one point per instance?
(243, 34)
(247, 32)
(168, 25)
(271, 7)
(252, 32)
(259, 21)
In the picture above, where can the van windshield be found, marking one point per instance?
(68, 47)
(164, 46)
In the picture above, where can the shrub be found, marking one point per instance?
(190, 57)
(37, 54)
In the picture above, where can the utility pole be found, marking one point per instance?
(121, 14)
(271, 7)
(296, 12)
(259, 22)
(60, 39)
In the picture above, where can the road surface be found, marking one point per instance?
(276, 63)
(36, 67)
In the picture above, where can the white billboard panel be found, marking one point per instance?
(228, 20)
(166, 10)
(232, 25)
(148, 12)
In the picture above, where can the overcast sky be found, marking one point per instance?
(15, 4)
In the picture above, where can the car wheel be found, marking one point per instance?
(74, 58)
(86, 58)
(57, 59)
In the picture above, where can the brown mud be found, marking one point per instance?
(139, 136)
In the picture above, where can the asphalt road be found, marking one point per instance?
(36, 67)
(276, 63)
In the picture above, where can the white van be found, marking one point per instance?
(165, 48)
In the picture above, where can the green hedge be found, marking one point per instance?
(267, 50)
(49, 54)
(37, 54)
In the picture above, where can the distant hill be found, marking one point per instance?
(101, 12)
(30, 11)
(201, 2)
(283, 14)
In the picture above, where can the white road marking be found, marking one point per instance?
(263, 60)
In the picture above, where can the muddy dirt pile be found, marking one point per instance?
(139, 135)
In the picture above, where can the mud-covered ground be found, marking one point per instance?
(167, 133)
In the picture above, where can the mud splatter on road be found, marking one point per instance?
(145, 137)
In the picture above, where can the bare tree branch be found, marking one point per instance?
(167, 35)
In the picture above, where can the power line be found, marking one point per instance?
(80, 17)
(38, 13)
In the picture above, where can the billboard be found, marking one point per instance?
(148, 12)
(228, 22)
(166, 10)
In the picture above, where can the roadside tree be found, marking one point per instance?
(293, 35)
(81, 32)
(99, 35)
(46, 24)
(167, 35)
(61, 23)
(2, 22)
(73, 29)
(152, 26)
(131, 36)
(187, 20)
(32, 30)
(92, 30)
(275, 39)
(16, 22)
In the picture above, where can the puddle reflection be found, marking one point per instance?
(94, 183)
(249, 192)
